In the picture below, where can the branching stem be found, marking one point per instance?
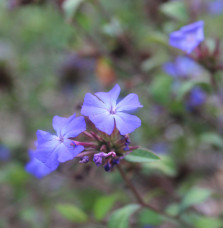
(174, 219)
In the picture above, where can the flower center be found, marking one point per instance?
(60, 139)
(112, 111)
(190, 38)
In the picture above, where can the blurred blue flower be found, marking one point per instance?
(104, 111)
(182, 67)
(197, 97)
(188, 37)
(36, 167)
(52, 149)
(215, 7)
(5, 153)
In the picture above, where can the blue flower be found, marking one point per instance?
(216, 7)
(5, 153)
(53, 149)
(197, 97)
(188, 37)
(104, 111)
(36, 167)
(182, 67)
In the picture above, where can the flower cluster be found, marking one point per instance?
(106, 143)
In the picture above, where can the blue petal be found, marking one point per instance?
(104, 122)
(92, 105)
(130, 102)
(66, 151)
(192, 27)
(59, 123)
(126, 123)
(109, 98)
(36, 167)
(74, 128)
(46, 153)
(43, 137)
(170, 69)
(68, 127)
(176, 38)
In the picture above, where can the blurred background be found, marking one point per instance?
(53, 51)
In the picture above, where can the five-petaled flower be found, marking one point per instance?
(53, 149)
(36, 167)
(106, 113)
(188, 37)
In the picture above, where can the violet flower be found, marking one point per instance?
(188, 37)
(106, 113)
(53, 149)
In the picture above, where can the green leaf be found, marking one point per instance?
(72, 213)
(212, 138)
(160, 89)
(158, 38)
(70, 7)
(103, 205)
(88, 197)
(142, 155)
(173, 209)
(207, 222)
(195, 196)
(175, 10)
(149, 217)
(166, 165)
(119, 218)
(152, 62)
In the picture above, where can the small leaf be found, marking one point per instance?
(158, 38)
(207, 222)
(195, 196)
(161, 89)
(70, 7)
(173, 209)
(142, 155)
(72, 213)
(149, 217)
(212, 138)
(120, 217)
(166, 165)
(176, 10)
(103, 205)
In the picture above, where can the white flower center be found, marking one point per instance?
(112, 110)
